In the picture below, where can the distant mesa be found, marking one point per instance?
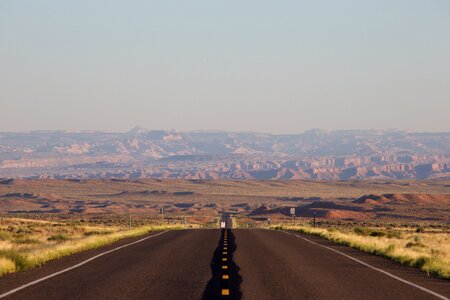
(404, 198)
(6, 181)
(138, 193)
(184, 205)
(320, 209)
(295, 199)
(19, 195)
(76, 180)
(262, 210)
(183, 193)
(372, 199)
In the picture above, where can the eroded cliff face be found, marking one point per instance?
(212, 155)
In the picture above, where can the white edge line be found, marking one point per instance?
(374, 268)
(76, 266)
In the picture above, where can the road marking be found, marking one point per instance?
(76, 266)
(375, 268)
(224, 267)
(225, 277)
(225, 292)
(225, 248)
(224, 259)
(224, 253)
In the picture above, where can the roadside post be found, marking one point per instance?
(129, 222)
(314, 220)
(292, 210)
(162, 213)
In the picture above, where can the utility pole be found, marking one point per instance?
(162, 214)
(129, 223)
(314, 220)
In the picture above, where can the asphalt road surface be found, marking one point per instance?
(225, 264)
(226, 221)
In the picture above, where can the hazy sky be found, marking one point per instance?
(270, 66)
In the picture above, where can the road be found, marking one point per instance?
(226, 221)
(227, 264)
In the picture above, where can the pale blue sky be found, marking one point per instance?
(269, 66)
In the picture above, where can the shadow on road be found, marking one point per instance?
(217, 283)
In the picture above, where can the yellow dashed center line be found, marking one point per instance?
(225, 292)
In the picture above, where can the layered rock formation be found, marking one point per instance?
(315, 154)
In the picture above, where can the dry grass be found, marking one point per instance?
(28, 243)
(428, 251)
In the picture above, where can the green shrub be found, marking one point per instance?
(26, 241)
(23, 230)
(4, 236)
(19, 260)
(360, 230)
(421, 261)
(89, 233)
(394, 234)
(377, 233)
(420, 229)
(58, 238)
(414, 244)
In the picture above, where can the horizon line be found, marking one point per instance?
(142, 129)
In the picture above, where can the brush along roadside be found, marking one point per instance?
(428, 251)
(25, 244)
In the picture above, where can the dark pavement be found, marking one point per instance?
(174, 265)
(275, 265)
(226, 264)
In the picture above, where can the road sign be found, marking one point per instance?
(222, 224)
(292, 210)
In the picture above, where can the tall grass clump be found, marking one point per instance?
(20, 261)
(6, 266)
